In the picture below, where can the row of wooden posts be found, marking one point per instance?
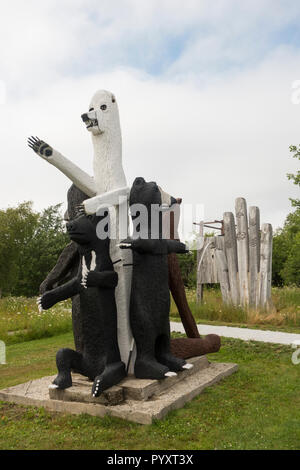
(239, 259)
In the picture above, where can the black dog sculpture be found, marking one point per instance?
(150, 297)
(95, 283)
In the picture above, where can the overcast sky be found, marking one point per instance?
(204, 91)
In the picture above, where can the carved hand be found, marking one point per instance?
(40, 147)
(46, 301)
(100, 279)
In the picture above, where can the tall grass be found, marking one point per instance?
(285, 310)
(20, 320)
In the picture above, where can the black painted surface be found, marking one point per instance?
(100, 358)
(150, 297)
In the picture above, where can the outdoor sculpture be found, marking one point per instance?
(105, 189)
(67, 267)
(92, 195)
(150, 297)
(95, 283)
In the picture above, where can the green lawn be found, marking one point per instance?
(256, 408)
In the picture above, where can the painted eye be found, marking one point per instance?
(103, 107)
(91, 109)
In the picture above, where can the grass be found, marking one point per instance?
(21, 321)
(256, 408)
(285, 311)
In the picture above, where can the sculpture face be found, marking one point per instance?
(82, 230)
(103, 113)
(148, 193)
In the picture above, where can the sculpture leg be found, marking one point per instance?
(164, 355)
(66, 360)
(112, 375)
(149, 368)
(178, 293)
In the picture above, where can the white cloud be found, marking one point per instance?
(207, 142)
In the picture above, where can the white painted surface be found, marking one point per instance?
(246, 334)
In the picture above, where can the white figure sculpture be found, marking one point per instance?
(106, 188)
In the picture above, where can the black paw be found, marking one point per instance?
(100, 279)
(173, 363)
(45, 301)
(40, 147)
(62, 381)
(112, 375)
(150, 369)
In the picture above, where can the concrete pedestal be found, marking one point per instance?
(137, 400)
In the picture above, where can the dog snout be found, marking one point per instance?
(70, 226)
(85, 117)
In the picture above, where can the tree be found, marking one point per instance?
(41, 252)
(286, 241)
(285, 244)
(30, 243)
(291, 269)
(295, 177)
(17, 227)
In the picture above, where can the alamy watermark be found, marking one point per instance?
(2, 352)
(295, 95)
(151, 222)
(2, 92)
(296, 354)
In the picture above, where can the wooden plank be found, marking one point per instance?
(223, 275)
(214, 263)
(269, 280)
(254, 254)
(265, 265)
(199, 290)
(231, 256)
(242, 248)
(205, 268)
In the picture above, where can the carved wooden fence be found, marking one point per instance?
(240, 259)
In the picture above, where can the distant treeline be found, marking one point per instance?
(30, 243)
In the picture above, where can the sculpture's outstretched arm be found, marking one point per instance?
(64, 264)
(52, 297)
(143, 245)
(102, 201)
(81, 179)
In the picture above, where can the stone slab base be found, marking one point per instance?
(133, 399)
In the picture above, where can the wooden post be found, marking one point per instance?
(231, 254)
(265, 264)
(254, 255)
(222, 269)
(242, 248)
(199, 293)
